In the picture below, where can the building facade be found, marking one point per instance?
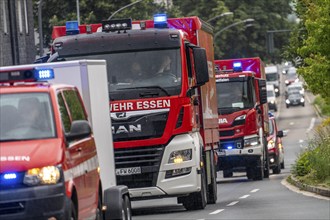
(17, 44)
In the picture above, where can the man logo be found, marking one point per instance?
(121, 115)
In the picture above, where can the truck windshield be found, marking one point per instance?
(156, 70)
(26, 116)
(234, 96)
(272, 76)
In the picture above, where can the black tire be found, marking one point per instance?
(266, 159)
(99, 213)
(258, 170)
(128, 208)
(287, 106)
(212, 192)
(197, 200)
(282, 165)
(73, 211)
(277, 169)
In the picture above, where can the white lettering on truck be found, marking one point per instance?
(223, 121)
(14, 158)
(140, 105)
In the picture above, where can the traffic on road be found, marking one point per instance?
(137, 119)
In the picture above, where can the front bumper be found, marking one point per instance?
(38, 202)
(237, 158)
(170, 186)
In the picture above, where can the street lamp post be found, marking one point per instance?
(41, 38)
(232, 25)
(126, 6)
(218, 16)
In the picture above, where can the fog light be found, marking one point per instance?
(272, 160)
(177, 172)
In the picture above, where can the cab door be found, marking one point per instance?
(83, 158)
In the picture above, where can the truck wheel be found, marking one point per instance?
(266, 159)
(99, 212)
(197, 200)
(227, 173)
(128, 208)
(277, 169)
(73, 215)
(250, 173)
(212, 192)
(282, 165)
(259, 170)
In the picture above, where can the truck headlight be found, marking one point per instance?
(251, 141)
(271, 144)
(272, 101)
(286, 81)
(302, 100)
(287, 101)
(276, 90)
(180, 156)
(44, 176)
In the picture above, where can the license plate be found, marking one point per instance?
(128, 171)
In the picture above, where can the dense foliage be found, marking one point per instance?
(310, 47)
(237, 41)
(312, 166)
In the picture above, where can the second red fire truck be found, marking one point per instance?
(243, 117)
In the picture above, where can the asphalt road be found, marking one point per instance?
(240, 198)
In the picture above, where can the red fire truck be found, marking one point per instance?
(52, 144)
(163, 102)
(243, 117)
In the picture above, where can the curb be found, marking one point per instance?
(317, 190)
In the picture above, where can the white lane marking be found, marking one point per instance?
(308, 99)
(291, 123)
(232, 203)
(216, 211)
(243, 197)
(301, 141)
(311, 125)
(254, 190)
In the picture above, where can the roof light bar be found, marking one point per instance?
(117, 25)
(160, 20)
(237, 66)
(72, 27)
(29, 75)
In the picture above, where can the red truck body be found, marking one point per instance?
(165, 135)
(243, 117)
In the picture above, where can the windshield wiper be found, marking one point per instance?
(147, 87)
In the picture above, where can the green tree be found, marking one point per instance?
(310, 45)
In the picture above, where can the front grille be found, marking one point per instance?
(11, 207)
(139, 127)
(148, 158)
(226, 133)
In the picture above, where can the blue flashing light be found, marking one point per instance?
(270, 114)
(229, 147)
(72, 27)
(10, 176)
(237, 66)
(43, 74)
(160, 20)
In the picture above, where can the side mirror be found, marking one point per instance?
(280, 134)
(201, 67)
(262, 91)
(79, 129)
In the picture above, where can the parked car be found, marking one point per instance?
(271, 97)
(295, 98)
(275, 148)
